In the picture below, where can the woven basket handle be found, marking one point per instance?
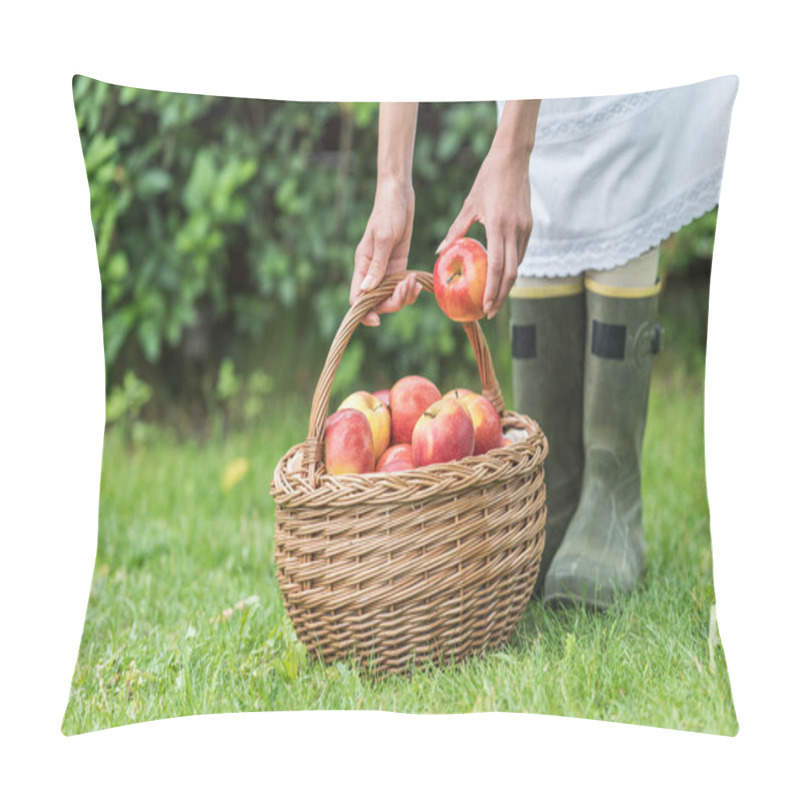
(312, 449)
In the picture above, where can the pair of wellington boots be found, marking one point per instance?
(582, 357)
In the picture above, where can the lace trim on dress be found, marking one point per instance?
(556, 259)
(563, 127)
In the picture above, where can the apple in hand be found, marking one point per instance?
(459, 279)
(485, 420)
(443, 433)
(377, 415)
(408, 399)
(348, 443)
(396, 458)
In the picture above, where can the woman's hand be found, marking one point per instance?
(387, 239)
(500, 199)
(384, 248)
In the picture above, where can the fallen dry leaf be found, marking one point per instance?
(234, 472)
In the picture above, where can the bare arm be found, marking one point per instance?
(386, 242)
(500, 198)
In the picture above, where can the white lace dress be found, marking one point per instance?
(613, 176)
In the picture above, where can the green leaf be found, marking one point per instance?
(287, 290)
(154, 181)
(365, 114)
(117, 267)
(100, 149)
(286, 196)
(449, 143)
(116, 328)
(200, 185)
(127, 401)
(228, 383)
(149, 338)
(127, 94)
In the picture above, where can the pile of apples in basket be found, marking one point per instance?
(412, 424)
(409, 426)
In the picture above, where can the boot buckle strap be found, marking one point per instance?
(648, 340)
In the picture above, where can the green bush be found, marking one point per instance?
(226, 229)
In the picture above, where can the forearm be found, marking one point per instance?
(397, 126)
(516, 131)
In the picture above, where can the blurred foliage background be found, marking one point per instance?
(225, 232)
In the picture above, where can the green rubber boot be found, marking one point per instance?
(547, 345)
(602, 555)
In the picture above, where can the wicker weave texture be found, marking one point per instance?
(429, 564)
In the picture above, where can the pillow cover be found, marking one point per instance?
(226, 230)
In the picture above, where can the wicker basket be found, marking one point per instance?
(409, 567)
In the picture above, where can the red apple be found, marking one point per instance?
(506, 441)
(348, 443)
(443, 433)
(457, 394)
(383, 396)
(396, 458)
(459, 279)
(485, 420)
(377, 415)
(408, 399)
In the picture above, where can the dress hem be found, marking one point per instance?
(559, 259)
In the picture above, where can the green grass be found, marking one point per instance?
(176, 550)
